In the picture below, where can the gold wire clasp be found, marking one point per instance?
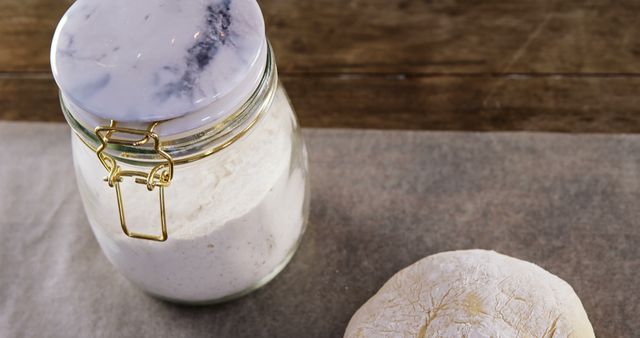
(160, 176)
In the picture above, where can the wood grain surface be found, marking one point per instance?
(569, 66)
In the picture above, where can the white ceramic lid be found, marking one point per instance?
(153, 60)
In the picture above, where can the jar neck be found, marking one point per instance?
(191, 145)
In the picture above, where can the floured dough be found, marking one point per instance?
(472, 293)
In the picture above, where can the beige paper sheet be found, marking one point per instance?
(380, 201)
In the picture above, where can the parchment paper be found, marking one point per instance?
(380, 201)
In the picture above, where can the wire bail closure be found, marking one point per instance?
(159, 176)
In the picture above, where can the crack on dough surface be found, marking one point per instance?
(473, 293)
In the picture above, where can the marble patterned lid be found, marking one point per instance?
(154, 60)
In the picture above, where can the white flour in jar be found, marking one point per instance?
(234, 218)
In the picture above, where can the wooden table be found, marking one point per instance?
(396, 64)
(461, 65)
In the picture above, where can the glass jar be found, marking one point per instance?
(236, 206)
(201, 216)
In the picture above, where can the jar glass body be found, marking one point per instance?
(234, 218)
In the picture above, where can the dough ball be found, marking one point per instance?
(474, 293)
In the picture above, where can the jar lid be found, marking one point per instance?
(154, 60)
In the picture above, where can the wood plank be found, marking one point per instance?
(456, 36)
(400, 36)
(32, 98)
(26, 29)
(562, 104)
(474, 103)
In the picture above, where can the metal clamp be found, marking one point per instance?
(160, 176)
